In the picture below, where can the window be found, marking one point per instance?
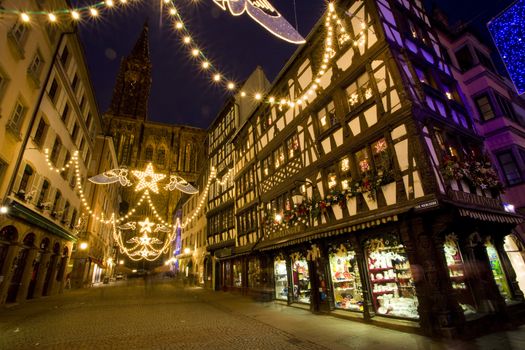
(24, 182)
(53, 90)
(506, 107)
(267, 166)
(64, 56)
(35, 68)
(278, 156)
(74, 132)
(55, 151)
(65, 211)
(3, 82)
(17, 116)
(18, 33)
(3, 169)
(74, 82)
(40, 132)
(73, 218)
(510, 168)
(56, 202)
(81, 147)
(464, 58)
(293, 146)
(359, 91)
(485, 109)
(345, 173)
(43, 193)
(363, 161)
(161, 156)
(381, 157)
(148, 155)
(65, 113)
(327, 117)
(88, 121)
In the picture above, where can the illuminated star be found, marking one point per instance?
(148, 179)
(146, 225)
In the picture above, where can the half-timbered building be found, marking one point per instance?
(361, 185)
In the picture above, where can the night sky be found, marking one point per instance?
(180, 93)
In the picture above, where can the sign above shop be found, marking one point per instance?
(427, 205)
(287, 232)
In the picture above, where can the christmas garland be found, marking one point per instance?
(475, 171)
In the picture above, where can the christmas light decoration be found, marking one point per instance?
(508, 32)
(177, 182)
(148, 179)
(266, 15)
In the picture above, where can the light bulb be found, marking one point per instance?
(231, 86)
(52, 17)
(25, 17)
(205, 64)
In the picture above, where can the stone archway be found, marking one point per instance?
(19, 267)
(38, 268)
(51, 270)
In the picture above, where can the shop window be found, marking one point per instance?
(301, 280)
(497, 271)
(346, 281)
(359, 91)
(485, 108)
(327, 117)
(456, 272)
(227, 276)
(515, 255)
(237, 274)
(509, 167)
(281, 279)
(255, 278)
(464, 58)
(393, 291)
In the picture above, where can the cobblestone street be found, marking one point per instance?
(165, 315)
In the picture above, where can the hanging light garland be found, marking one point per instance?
(76, 14)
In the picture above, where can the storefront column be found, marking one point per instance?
(21, 295)
(439, 312)
(44, 265)
(290, 279)
(368, 306)
(517, 293)
(7, 271)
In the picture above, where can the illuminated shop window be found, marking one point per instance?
(497, 271)
(281, 279)
(393, 291)
(346, 281)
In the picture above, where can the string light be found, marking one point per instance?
(148, 179)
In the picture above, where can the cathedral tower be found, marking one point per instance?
(132, 87)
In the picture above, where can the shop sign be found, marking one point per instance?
(223, 253)
(288, 231)
(427, 205)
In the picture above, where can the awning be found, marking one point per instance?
(304, 237)
(504, 218)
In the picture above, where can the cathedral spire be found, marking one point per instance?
(133, 83)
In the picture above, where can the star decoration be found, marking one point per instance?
(146, 225)
(148, 179)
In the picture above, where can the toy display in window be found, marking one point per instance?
(497, 272)
(301, 281)
(393, 291)
(281, 280)
(346, 282)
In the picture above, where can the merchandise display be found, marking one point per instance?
(301, 281)
(497, 271)
(456, 271)
(393, 291)
(346, 281)
(237, 274)
(281, 280)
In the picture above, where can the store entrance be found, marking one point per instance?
(301, 280)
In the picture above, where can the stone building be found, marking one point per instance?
(171, 149)
(365, 182)
(50, 118)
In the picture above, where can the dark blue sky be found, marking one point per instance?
(180, 94)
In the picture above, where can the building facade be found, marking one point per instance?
(499, 116)
(350, 176)
(224, 239)
(54, 121)
(171, 149)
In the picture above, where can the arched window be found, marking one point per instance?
(161, 156)
(148, 155)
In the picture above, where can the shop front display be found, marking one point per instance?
(237, 273)
(393, 291)
(301, 279)
(514, 252)
(346, 281)
(497, 271)
(281, 279)
(456, 271)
